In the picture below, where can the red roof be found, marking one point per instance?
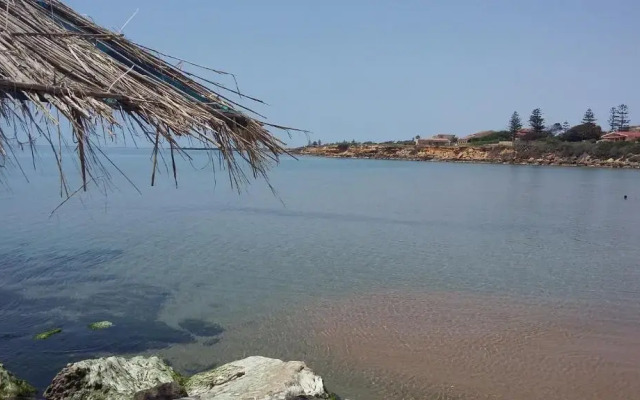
(629, 135)
(612, 135)
(623, 136)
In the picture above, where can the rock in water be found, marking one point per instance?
(166, 391)
(97, 326)
(257, 378)
(46, 335)
(12, 388)
(112, 378)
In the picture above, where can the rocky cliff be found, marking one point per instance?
(471, 154)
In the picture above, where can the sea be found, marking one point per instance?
(390, 279)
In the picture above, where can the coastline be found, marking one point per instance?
(467, 154)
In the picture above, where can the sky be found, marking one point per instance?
(392, 69)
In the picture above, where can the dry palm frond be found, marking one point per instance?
(55, 63)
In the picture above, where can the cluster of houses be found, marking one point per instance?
(437, 140)
(443, 139)
(633, 134)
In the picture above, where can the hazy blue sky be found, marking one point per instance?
(384, 70)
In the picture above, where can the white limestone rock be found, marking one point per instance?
(112, 378)
(257, 378)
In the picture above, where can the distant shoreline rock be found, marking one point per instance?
(150, 378)
(491, 154)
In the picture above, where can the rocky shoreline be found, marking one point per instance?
(150, 378)
(467, 154)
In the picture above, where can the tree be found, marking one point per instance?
(417, 137)
(319, 142)
(582, 132)
(514, 125)
(314, 143)
(556, 129)
(614, 120)
(589, 118)
(565, 127)
(623, 117)
(536, 121)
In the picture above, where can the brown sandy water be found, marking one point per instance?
(452, 345)
(448, 345)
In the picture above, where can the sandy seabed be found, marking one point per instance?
(445, 345)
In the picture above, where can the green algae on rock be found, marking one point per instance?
(97, 326)
(46, 335)
(14, 388)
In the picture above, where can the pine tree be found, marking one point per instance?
(614, 120)
(556, 129)
(565, 127)
(589, 118)
(536, 121)
(514, 125)
(623, 117)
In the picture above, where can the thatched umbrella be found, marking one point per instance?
(58, 65)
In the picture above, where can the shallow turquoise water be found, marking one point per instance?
(337, 228)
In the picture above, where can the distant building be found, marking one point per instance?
(621, 136)
(445, 136)
(434, 141)
(523, 132)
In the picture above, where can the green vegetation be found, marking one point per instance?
(13, 388)
(179, 378)
(579, 133)
(602, 150)
(538, 131)
(96, 326)
(344, 146)
(515, 124)
(623, 118)
(613, 119)
(589, 117)
(46, 335)
(619, 118)
(494, 137)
